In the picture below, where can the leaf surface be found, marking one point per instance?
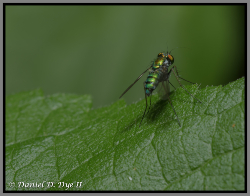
(59, 143)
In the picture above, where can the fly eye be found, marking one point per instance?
(170, 57)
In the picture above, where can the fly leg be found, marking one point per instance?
(150, 104)
(171, 84)
(145, 108)
(171, 103)
(146, 103)
(177, 76)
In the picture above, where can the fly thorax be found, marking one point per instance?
(167, 63)
(158, 63)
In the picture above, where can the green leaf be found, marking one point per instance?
(59, 143)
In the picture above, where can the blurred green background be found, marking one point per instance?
(101, 50)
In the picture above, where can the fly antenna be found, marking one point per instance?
(178, 47)
(172, 50)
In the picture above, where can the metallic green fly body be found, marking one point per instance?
(159, 73)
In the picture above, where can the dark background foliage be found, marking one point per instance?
(101, 50)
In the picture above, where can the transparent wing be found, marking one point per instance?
(135, 82)
(162, 91)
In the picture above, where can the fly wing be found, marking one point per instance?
(163, 86)
(135, 82)
(164, 90)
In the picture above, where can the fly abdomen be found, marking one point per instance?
(151, 83)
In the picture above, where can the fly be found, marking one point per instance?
(159, 73)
